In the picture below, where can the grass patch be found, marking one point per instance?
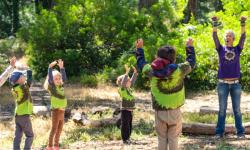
(85, 134)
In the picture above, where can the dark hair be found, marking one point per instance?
(167, 52)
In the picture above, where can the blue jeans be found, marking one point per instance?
(235, 92)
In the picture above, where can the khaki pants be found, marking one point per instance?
(168, 127)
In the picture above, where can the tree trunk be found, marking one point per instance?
(191, 9)
(37, 7)
(15, 18)
(7, 7)
(218, 5)
(47, 4)
(146, 3)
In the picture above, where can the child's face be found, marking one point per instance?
(57, 80)
(21, 80)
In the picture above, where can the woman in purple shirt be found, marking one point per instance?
(228, 75)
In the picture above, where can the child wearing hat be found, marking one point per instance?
(167, 89)
(124, 82)
(54, 84)
(24, 108)
(5, 75)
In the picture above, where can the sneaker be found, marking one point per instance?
(49, 148)
(219, 136)
(241, 136)
(56, 148)
(127, 142)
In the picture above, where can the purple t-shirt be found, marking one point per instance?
(229, 58)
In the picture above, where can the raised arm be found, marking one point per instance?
(215, 36)
(134, 76)
(243, 32)
(140, 57)
(190, 53)
(51, 65)
(190, 58)
(5, 75)
(62, 70)
(29, 77)
(124, 80)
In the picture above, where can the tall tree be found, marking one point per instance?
(191, 9)
(15, 13)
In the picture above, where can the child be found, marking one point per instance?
(124, 83)
(228, 77)
(5, 75)
(167, 90)
(24, 108)
(54, 84)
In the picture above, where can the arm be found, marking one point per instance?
(140, 57)
(50, 75)
(190, 60)
(134, 76)
(5, 75)
(62, 70)
(29, 77)
(243, 32)
(125, 79)
(215, 36)
(64, 77)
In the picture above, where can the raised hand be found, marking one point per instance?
(60, 63)
(243, 20)
(189, 42)
(13, 61)
(127, 68)
(139, 43)
(135, 70)
(215, 21)
(214, 18)
(51, 65)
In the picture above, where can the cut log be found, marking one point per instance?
(81, 118)
(214, 110)
(209, 129)
(41, 110)
(99, 110)
(6, 116)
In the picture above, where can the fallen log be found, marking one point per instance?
(209, 129)
(81, 118)
(214, 110)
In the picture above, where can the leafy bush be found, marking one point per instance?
(93, 38)
(94, 34)
(85, 80)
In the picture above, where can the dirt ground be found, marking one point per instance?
(194, 100)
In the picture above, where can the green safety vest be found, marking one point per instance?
(58, 99)
(23, 99)
(126, 94)
(168, 93)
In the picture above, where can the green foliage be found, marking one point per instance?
(85, 80)
(97, 37)
(95, 34)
